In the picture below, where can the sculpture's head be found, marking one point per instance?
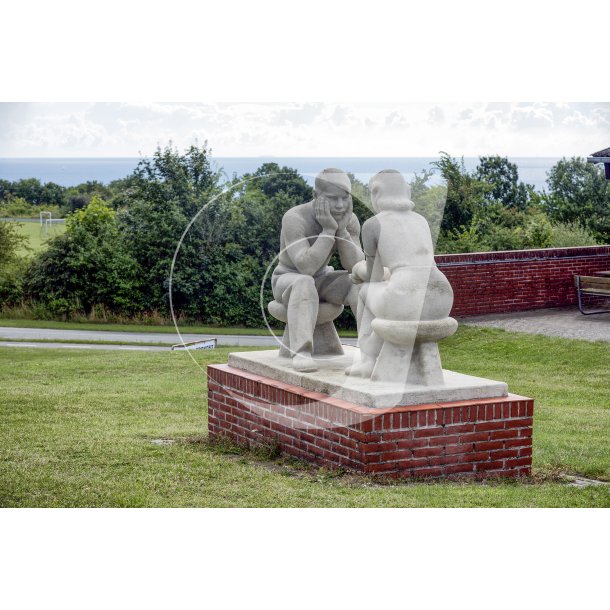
(335, 185)
(390, 191)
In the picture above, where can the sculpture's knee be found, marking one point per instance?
(304, 288)
(439, 297)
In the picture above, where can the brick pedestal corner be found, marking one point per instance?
(473, 438)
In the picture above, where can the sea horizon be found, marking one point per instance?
(70, 171)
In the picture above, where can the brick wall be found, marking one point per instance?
(477, 438)
(490, 282)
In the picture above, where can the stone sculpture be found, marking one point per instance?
(310, 408)
(309, 294)
(404, 300)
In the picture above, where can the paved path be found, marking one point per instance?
(565, 322)
(133, 348)
(35, 334)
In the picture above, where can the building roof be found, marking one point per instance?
(601, 153)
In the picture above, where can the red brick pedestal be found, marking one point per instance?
(474, 438)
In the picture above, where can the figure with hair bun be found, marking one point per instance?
(404, 300)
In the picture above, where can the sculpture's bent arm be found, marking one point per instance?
(348, 244)
(370, 236)
(307, 259)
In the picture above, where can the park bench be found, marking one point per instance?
(589, 286)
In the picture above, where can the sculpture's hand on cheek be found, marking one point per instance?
(323, 215)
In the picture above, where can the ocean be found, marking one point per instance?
(73, 171)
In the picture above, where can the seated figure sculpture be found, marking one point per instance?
(404, 300)
(309, 294)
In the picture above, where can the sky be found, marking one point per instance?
(312, 129)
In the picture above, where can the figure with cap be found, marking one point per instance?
(309, 294)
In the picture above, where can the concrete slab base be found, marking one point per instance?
(330, 379)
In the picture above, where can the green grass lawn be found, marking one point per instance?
(36, 235)
(77, 429)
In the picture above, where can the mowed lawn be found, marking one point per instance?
(37, 235)
(76, 430)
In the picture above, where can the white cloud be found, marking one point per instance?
(306, 129)
(532, 116)
(340, 115)
(436, 116)
(298, 114)
(396, 119)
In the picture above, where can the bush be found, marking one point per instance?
(12, 207)
(12, 266)
(467, 239)
(86, 266)
(11, 281)
(571, 234)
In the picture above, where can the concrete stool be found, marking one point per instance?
(325, 338)
(410, 350)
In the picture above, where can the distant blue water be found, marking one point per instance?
(72, 171)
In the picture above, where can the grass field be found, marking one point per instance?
(36, 235)
(77, 430)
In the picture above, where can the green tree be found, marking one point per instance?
(465, 194)
(11, 240)
(271, 179)
(252, 214)
(12, 265)
(259, 203)
(28, 197)
(88, 265)
(429, 200)
(578, 192)
(119, 192)
(165, 192)
(79, 196)
(34, 192)
(5, 188)
(502, 176)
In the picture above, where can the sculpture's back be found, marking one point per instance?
(408, 313)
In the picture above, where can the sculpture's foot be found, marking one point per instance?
(361, 369)
(304, 363)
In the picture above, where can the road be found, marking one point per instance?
(53, 344)
(49, 334)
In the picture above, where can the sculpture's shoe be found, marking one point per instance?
(325, 338)
(304, 364)
(361, 369)
(410, 351)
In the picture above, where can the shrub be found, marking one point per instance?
(86, 266)
(571, 234)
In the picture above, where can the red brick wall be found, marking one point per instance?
(488, 437)
(490, 282)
